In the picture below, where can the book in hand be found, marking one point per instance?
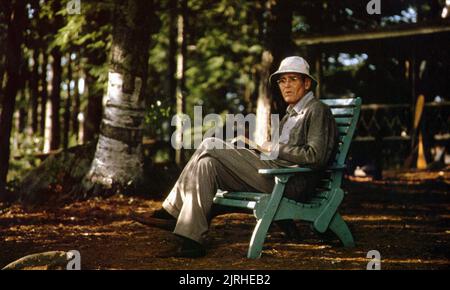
(245, 142)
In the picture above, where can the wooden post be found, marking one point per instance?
(412, 78)
(319, 72)
(416, 155)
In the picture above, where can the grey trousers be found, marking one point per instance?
(208, 170)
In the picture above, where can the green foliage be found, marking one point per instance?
(89, 35)
(224, 54)
(157, 119)
(90, 30)
(225, 40)
(25, 148)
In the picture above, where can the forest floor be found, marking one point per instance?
(405, 217)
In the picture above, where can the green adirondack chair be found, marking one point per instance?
(321, 210)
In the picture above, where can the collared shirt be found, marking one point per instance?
(295, 112)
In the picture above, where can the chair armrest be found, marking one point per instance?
(290, 170)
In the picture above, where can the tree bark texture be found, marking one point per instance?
(118, 160)
(13, 67)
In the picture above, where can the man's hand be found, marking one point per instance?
(266, 147)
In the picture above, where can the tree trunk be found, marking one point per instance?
(263, 103)
(279, 28)
(319, 71)
(13, 64)
(3, 36)
(56, 24)
(22, 112)
(34, 91)
(94, 109)
(172, 63)
(55, 139)
(118, 161)
(280, 31)
(76, 103)
(23, 98)
(47, 126)
(44, 93)
(66, 123)
(180, 78)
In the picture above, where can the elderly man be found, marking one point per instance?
(308, 137)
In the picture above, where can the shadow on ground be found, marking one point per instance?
(407, 222)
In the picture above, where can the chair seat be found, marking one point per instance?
(257, 196)
(258, 200)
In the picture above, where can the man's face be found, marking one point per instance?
(293, 87)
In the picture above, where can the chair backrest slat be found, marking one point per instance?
(346, 113)
(343, 130)
(343, 121)
(341, 102)
(342, 112)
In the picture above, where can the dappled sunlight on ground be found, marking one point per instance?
(409, 227)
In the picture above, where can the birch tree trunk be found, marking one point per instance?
(263, 103)
(118, 160)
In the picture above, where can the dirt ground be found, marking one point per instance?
(405, 217)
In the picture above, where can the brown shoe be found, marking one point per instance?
(149, 220)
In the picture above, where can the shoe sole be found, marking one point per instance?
(154, 222)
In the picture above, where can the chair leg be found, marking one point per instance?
(258, 237)
(340, 228)
(263, 224)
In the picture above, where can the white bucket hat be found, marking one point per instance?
(293, 64)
